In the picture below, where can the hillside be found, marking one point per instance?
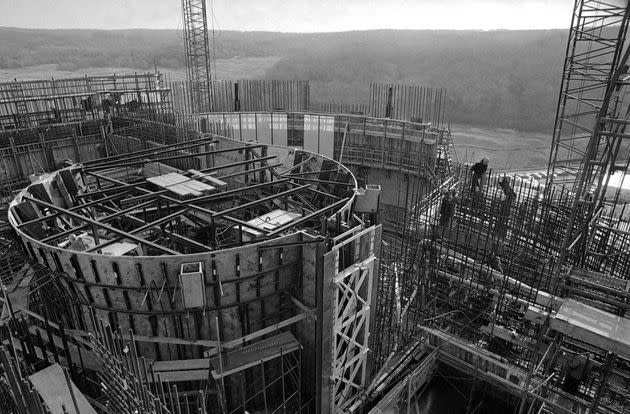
(506, 79)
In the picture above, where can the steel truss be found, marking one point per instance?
(353, 297)
(603, 149)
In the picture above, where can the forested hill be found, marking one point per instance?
(507, 79)
(136, 48)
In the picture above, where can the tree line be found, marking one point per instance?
(505, 79)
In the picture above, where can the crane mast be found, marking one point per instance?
(198, 72)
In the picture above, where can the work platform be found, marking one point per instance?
(594, 326)
(254, 354)
(231, 362)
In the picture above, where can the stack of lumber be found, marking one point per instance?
(181, 185)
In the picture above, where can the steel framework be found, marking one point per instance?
(197, 54)
(595, 77)
(354, 262)
(594, 48)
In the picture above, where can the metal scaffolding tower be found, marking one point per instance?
(595, 45)
(197, 54)
(593, 106)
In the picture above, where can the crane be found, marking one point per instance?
(196, 42)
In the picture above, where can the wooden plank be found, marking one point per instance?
(598, 279)
(251, 355)
(177, 184)
(184, 191)
(181, 376)
(594, 326)
(198, 175)
(199, 186)
(180, 365)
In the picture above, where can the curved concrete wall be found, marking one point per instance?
(243, 286)
(376, 142)
(143, 293)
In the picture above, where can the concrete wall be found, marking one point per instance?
(375, 142)
(242, 285)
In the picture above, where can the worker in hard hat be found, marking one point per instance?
(447, 207)
(478, 171)
(578, 370)
(507, 200)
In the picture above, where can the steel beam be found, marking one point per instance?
(145, 159)
(75, 208)
(150, 151)
(308, 217)
(101, 220)
(179, 202)
(252, 171)
(224, 194)
(102, 225)
(237, 164)
(315, 180)
(261, 200)
(131, 187)
(174, 236)
(140, 229)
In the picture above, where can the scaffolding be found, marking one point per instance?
(44, 103)
(479, 282)
(594, 50)
(498, 282)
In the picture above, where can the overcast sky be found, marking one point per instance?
(292, 15)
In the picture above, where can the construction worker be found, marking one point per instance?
(447, 207)
(578, 370)
(478, 170)
(507, 200)
(54, 115)
(493, 259)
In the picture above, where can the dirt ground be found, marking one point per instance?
(507, 149)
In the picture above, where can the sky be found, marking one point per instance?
(292, 15)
